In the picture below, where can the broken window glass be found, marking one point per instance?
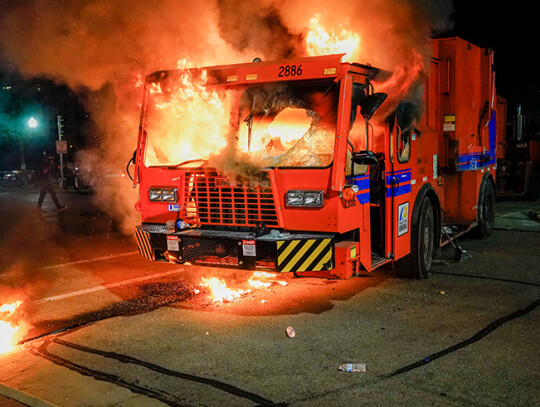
(289, 125)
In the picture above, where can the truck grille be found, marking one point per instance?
(210, 197)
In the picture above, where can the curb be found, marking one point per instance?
(24, 398)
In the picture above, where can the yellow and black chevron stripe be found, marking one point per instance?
(305, 255)
(143, 243)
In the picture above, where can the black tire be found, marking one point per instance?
(486, 210)
(417, 264)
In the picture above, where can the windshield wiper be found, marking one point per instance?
(249, 122)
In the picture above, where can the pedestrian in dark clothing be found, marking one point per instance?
(46, 183)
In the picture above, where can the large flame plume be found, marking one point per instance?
(191, 122)
(319, 41)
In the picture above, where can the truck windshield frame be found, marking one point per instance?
(276, 124)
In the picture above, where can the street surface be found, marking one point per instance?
(109, 328)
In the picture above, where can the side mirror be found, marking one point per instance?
(365, 158)
(370, 105)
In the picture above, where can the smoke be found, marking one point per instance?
(102, 48)
(259, 28)
(394, 36)
(21, 268)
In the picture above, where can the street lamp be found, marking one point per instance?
(32, 122)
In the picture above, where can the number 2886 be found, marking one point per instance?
(290, 70)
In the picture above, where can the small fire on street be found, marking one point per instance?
(218, 290)
(11, 330)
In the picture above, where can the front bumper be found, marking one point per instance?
(279, 251)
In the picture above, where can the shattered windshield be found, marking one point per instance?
(187, 122)
(289, 125)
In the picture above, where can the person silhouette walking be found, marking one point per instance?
(46, 183)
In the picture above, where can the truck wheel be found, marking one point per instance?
(486, 210)
(417, 263)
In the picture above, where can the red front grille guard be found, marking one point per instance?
(211, 199)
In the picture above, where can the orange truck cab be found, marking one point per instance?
(303, 177)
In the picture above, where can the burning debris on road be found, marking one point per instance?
(218, 290)
(14, 329)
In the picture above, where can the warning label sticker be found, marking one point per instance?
(248, 248)
(403, 218)
(172, 244)
(449, 122)
(449, 117)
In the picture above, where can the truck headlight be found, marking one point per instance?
(295, 198)
(312, 199)
(162, 194)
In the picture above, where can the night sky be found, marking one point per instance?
(512, 30)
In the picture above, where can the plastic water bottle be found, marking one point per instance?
(352, 367)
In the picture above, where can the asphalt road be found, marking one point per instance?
(108, 328)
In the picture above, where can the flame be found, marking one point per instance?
(285, 130)
(9, 334)
(258, 284)
(220, 292)
(319, 41)
(188, 121)
(266, 276)
(10, 308)
(263, 274)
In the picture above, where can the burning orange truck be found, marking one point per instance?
(282, 165)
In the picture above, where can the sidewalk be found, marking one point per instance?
(10, 397)
(5, 402)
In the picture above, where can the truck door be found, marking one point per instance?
(398, 185)
(366, 172)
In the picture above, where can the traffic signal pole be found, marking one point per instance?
(60, 134)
